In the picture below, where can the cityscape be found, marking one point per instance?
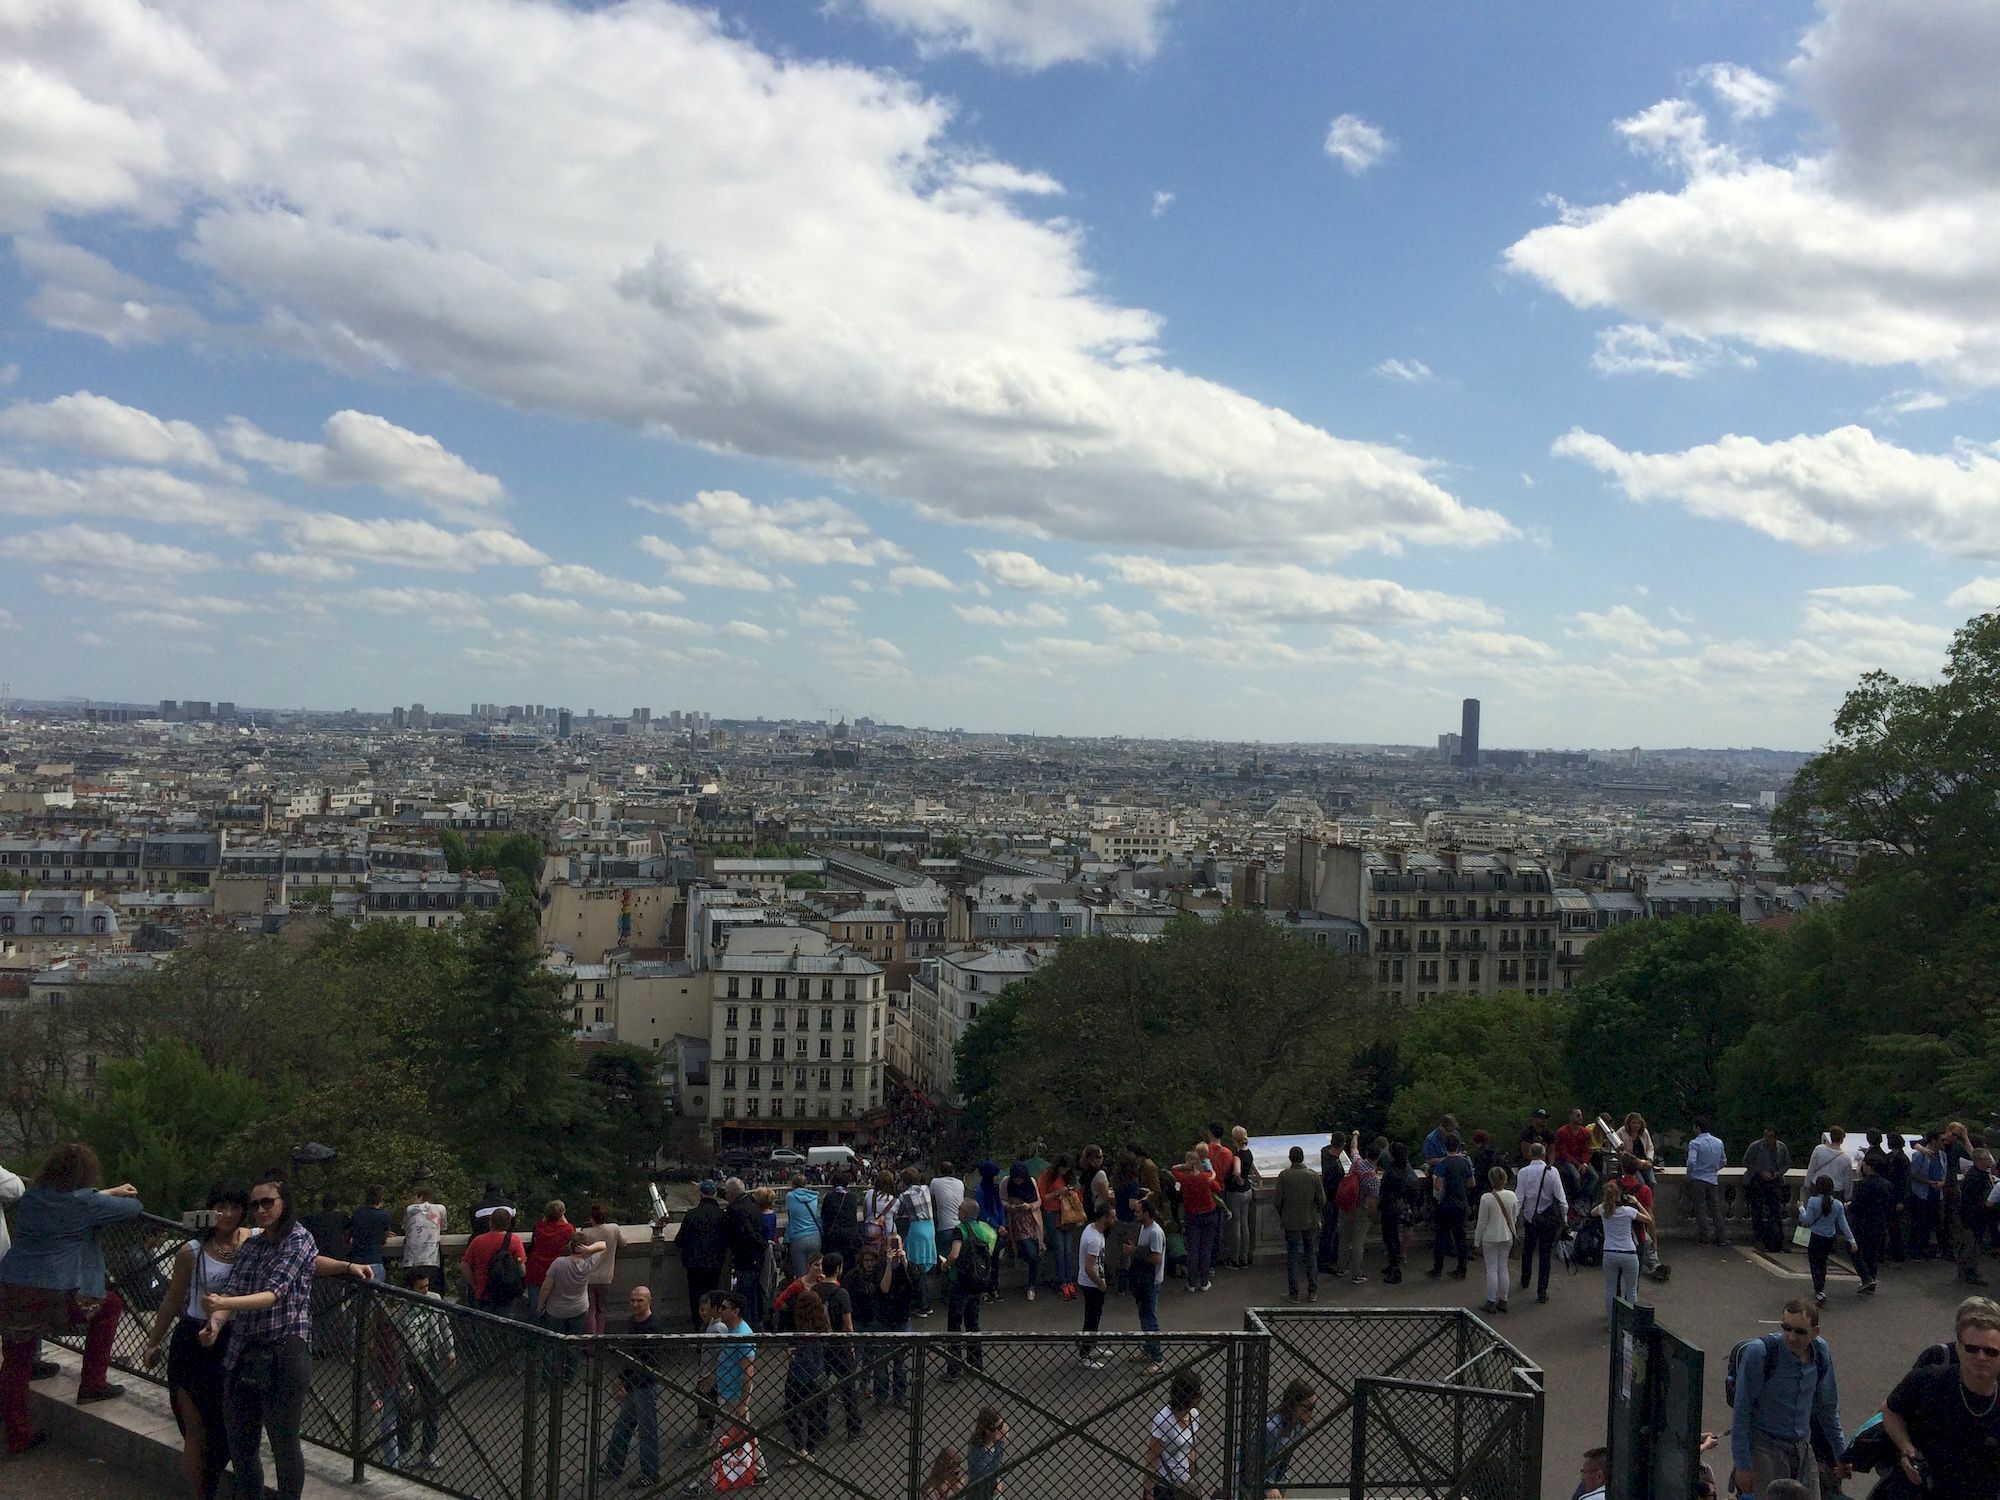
(940, 749)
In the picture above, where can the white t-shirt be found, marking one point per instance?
(607, 1263)
(946, 1194)
(1093, 1247)
(1620, 1225)
(422, 1224)
(1153, 1239)
(1176, 1445)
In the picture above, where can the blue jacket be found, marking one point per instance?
(1828, 1224)
(56, 1240)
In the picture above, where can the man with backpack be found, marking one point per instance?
(1332, 1166)
(969, 1265)
(1544, 1209)
(1353, 1198)
(496, 1265)
(1782, 1389)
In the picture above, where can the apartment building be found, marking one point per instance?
(35, 921)
(796, 1039)
(425, 902)
(946, 995)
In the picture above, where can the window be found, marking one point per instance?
(756, 1078)
(850, 991)
(729, 1078)
(600, 1013)
(826, 989)
(847, 1019)
(826, 1078)
(972, 981)
(847, 1106)
(1395, 972)
(1472, 970)
(847, 1078)
(756, 1018)
(778, 992)
(825, 1047)
(778, 1108)
(847, 1050)
(799, 1047)
(600, 990)
(577, 1015)
(778, 1016)
(798, 1078)
(971, 1013)
(750, 1105)
(756, 992)
(729, 1046)
(826, 1017)
(728, 1107)
(802, 1018)
(756, 1044)
(825, 1108)
(732, 992)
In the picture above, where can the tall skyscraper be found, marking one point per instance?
(562, 723)
(1468, 734)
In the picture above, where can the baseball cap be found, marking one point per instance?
(708, 1187)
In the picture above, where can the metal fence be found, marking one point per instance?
(1409, 1402)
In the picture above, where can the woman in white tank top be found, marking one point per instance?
(194, 1373)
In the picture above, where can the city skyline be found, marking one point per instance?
(1095, 368)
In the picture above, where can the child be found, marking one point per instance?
(987, 1452)
(946, 1478)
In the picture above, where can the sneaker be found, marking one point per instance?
(1031, 1294)
(1819, 1299)
(1313, 1295)
(1435, 1272)
(1356, 1280)
(1502, 1307)
(1092, 1361)
(1541, 1296)
(35, 1440)
(1291, 1296)
(44, 1369)
(1459, 1274)
(1208, 1286)
(1489, 1305)
(1864, 1289)
(1156, 1368)
(102, 1393)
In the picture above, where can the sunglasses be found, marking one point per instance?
(1984, 1351)
(264, 1202)
(1796, 1331)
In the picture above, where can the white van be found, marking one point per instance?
(828, 1158)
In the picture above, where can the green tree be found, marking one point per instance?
(165, 1122)
(1488, 1062)
(632, 1114)
(988, 1052)
(804, 882)
(1660, 1004)
(951, 846)
(457, 853)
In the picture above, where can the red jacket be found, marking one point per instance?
(1573, 1145)
(549, 1245)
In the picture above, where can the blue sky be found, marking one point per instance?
(1098, 366)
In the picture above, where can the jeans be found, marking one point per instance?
(1774, 1458)
(1353, 1241)
(1066, 1242)
(1448, 1228)
(17, 1363)
(962, 1315)
(1392, 1243)
(638, 1411)
(1923, 1223)
(1329, 1237)
(266, 1392)
(888, 1358)
(805, 1412)
(1236, 1234)
(1299, 1261)
(1497, 1254)
(1765, 1219)
(749, 1286)
(1818, 1248)
(840, 1365)
(1093, 1315)
(593, 1317)
(1030, 1252)
(560, 1366)
(1707, 1199)
(1538, 1241)
(803, 1248)
(416, 1407)
(1146, 1293)
(1874, 1238)
(1203, 1233)
(1621, 1278)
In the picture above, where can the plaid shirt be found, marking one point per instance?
(282, 1266)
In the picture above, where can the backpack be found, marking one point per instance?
(1586, 1246)
(1072, 1216)
(1771, 1343)
(506, 1277)
(1347, 1196)
(975, 1253)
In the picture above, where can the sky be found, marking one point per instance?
(1155, 367)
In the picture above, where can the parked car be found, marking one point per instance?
(785, 1157)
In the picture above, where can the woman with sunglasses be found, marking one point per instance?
(1944, 1418)
(267, 1305)
(194, 1372)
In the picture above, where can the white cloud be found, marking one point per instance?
(1862, 593)
(1029, 33)
(1881, 248)
(1635, 349)
(1410, 371)
(1746, 93)
(163, 619)
(921, 578)
(816, 533)
(543, 605)
(1162, 201)
(409, 544)
(299, 566)
(834, 612)
(576, 578)
(653, 619)
(1356, 144)
(1017, 570)
(1288, 592)
(365, 449)
(1979, 595)
(1493, 645)
(820, 271)
(1837, 489)
(96, 424)
(1904, 403)
(744, 630)
(1033, 616)
(93, 547)
(1624, 626)
(704, 567)
(129, 494)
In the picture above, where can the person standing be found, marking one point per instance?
(840, 1361)
(1541, 1211)
(548, 1242)
(1975, 1186)
(1896, 1168)
(1624, 1221)
(883, 1294)
(1705, 1158)
(433, 1352)
(947, 1192)
(1093, 1281)
(1062, 1216)
(804, 1232)
(1300, 1201)
(1830, 1159)
(1239, 1189)
(1201, 1217)
(606, 1236)
(1394, 1206)
(637, 1388)
(914, 1206)
(1359, 1195)
(1765, 1164)
(1495, 1234)
(1149, 1270)
(1870, 1213)
(1024, 1221)
(368, 1233)
(1171, 1440)
(1633, 1139)
(194, 1373)
(1451, 1179)
(1572, 1152)
(703, 1246)
(267, 1307)
(970, 1269)
(495, 1286)
(744, 1221)
(423, 1235)
(985, 1454)
(1785, 1392)
(1332, 1166)
(1826, 1216)
(805, 1376)
(1926, 1196)
(1944, 1417)
(52, 1282)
